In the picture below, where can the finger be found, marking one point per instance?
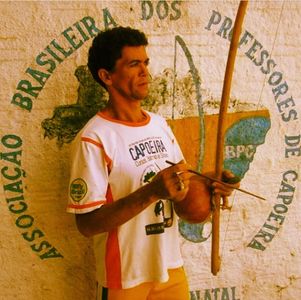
(184, 175)
(181, 168)
(186, 183)
(181, 185)
(225, 186)
(229, 177)
(180, 164)
(225, 203)
(222, 193)
(221, 189)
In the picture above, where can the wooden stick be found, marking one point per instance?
(215, 236)
(219, 181)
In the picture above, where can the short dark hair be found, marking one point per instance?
(107, 47)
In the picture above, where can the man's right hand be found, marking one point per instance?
(172, 183)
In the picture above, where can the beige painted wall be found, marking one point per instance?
(42, 256)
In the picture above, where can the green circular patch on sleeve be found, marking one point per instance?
(78, 189)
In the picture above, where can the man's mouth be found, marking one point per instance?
(144, 83)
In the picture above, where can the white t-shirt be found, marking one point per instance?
(111, 159)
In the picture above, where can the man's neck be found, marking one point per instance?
(131, 112)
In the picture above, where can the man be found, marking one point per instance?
(121, 189)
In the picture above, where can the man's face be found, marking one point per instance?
(130, 77)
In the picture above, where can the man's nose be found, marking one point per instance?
(144, 70)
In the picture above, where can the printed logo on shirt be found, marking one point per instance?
(78, 189)
(149, 173)
(149, 149)
(163, 209)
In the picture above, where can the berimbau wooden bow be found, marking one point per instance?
(216, 198)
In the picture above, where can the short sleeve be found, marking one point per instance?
(88, 177)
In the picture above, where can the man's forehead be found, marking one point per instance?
(134, 53)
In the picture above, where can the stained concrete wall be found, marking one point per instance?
(46, 95)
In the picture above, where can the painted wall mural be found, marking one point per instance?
(49, 95)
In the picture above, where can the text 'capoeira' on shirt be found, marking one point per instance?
(147, 148)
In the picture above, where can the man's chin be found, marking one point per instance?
(142, 96)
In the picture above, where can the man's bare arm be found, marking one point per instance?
(109, 216)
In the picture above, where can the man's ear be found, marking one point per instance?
(105, 76)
